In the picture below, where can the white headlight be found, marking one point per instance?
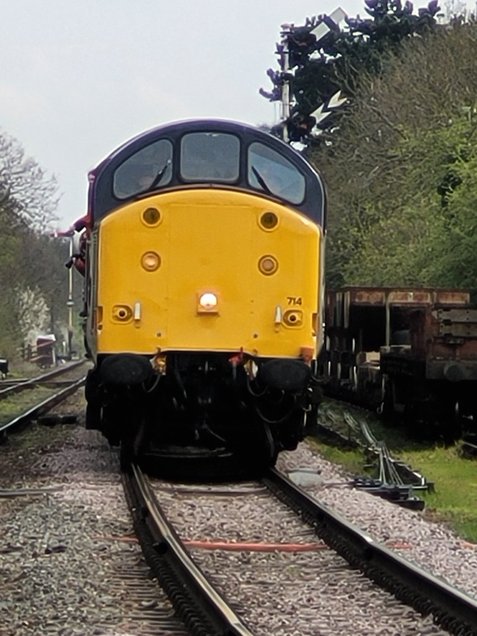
(208, 300)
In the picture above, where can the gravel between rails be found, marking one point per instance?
(289, 593)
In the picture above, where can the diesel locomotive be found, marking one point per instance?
(203, 262)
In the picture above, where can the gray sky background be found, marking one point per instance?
(78, 78)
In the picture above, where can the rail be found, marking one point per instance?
(42, 407)
(201, 607)
(450, 607)
(23, 384)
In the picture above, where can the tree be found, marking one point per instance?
(28, 278)
(399, 173)
(25, 189)
(317, 65)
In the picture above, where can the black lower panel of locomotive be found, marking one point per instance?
(203, 411)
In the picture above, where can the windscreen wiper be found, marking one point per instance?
(261, 180)
(159, 175)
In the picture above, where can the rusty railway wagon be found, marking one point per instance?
(411, 353)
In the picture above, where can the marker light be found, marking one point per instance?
(208, 302)
(150, 261)
(268, 221)
(151, 216)
(268, 265)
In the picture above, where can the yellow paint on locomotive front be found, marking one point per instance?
(153, 269)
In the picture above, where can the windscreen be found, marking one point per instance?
(210, 156)
(149, 167)
(271, 172)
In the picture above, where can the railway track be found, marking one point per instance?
(33, 407)
(252, 548)
(202, 608)
(12, 387)
(346, 426)
(323, 570)
(86, 574)
(69, 561)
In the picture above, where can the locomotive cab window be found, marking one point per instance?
(272, 173)
(145, 170)
(210, 156)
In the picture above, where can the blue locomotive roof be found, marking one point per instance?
(209, 152)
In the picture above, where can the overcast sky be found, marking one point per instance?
(80, 77)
